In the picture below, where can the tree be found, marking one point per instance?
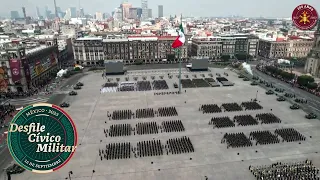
(312, 85)
(101, 62)
(225, 57)
(304, 80)
(243, 56)
(138, 62)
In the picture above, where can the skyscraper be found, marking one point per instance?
(73, 11)
(160, 11)
(149, 13)
(125, 10)
(99, 16)
(14, 14)
(144, 7)
(81, 12)
(38, 12)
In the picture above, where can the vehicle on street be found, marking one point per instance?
(73, 93)
(77, 87)
(254, 83)
(189, 65)
(281, 98)
(246, 79)
(64, 105)
(311, 116)
(270, 92)
(175, 85)
(79, 84)
(294, 107)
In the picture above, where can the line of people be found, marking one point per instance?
(251, 105)
(267, 118)
(236, 140)
(179, 145)
(221, 122)
(231, 107)
(245, 120)
(116, 151)
(210, 108)
(286, 171)
(290, 135)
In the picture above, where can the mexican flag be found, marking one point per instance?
(180, 39)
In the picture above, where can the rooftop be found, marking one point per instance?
(36, 49)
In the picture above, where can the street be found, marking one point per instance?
(313, 101)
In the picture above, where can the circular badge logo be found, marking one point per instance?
(42, 138)
(304, 17)
(15, 71)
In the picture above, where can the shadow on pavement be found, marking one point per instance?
(56, 99)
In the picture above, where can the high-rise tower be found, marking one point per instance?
(145, 11)
(160, 11)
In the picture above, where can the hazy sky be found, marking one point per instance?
(196, 8)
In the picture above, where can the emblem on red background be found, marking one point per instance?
(304, 17)
(15, 71)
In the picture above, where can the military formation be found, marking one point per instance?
(116, 151)
(210, 108)
(160, 85)
(267, 118)
(239, 139)
(165, 93)
(142, 128)
(179, 145)
(120, 115)
(221, 122)
(286, 171)
(290, 135)
(145, 113)
(231, 107)
(264, 137)
(245, 120)
(172, 126)
(167, 111)
(236, 140)
(251, 105)
(144, 86)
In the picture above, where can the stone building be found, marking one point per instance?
(313, 62)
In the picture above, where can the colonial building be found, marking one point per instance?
(23, 67)
(214, 47)
(206, 47)
(313, 62)
(149, 49)
(283, 48)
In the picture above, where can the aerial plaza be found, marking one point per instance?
(138, 126)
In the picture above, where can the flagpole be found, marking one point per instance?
(179, 59)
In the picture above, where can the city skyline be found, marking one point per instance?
(247, 8)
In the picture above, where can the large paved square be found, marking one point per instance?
(211, 158)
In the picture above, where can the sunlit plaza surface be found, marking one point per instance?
(211, 158)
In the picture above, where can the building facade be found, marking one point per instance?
(23, 69)
(160, 11)
(152, 49)
(215, 47)
(207, 47)
(313, 62)
(297, 48)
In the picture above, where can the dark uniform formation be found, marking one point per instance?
(145, 113)
(231, 107)
(286, 171)
(200, 83)
(245, 120)
(267, 118)
(221, 79)
(116, 151)
(187, 83)
(251, 105)
(264, 137)
(210, 108)
(127, 88)
(144, 86)
(179, 145)
(166, 93)
(221, 122)
(290, 135)
(236, 140)
(118, 130)
(167, 111)
(172, 126)
(121, 115)
(147, 128)
(110, 85)
(160, 84)
(149, 148)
